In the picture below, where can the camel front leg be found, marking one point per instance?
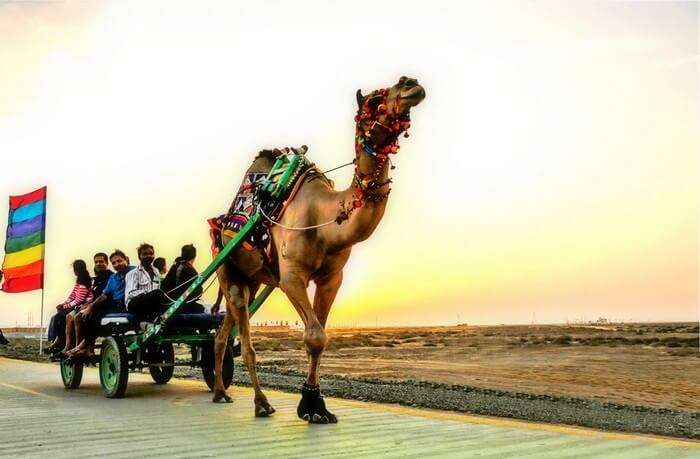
(311, 408)
(326, 290)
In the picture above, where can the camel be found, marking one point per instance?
(316, 255)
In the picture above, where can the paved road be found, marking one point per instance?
(39, 418)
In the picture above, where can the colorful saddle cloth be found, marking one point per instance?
(243, 205)
(257, 189)
(239, 212)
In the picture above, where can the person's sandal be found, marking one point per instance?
(55, 348)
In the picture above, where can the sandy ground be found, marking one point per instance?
(655, 365)
(640, 364)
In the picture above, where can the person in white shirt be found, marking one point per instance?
(142, 293)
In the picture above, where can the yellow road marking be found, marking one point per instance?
(11, 360)
(29, 391)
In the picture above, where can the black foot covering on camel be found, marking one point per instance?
(312, 408)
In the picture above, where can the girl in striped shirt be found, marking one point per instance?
(81, 294)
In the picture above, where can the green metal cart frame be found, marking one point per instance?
(153, 348)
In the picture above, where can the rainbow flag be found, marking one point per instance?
(23, 266)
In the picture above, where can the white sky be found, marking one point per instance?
(551, 169)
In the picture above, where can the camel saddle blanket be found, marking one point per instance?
(257, 190)
(239, 212)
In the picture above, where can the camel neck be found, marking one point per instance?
(363, 220)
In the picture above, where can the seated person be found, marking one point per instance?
(81, 294)
(159, 264)
(111, 300)
(180, 277)
(99, 282)
(143, 295)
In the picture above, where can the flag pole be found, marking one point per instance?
(41, 324)
(43, 277)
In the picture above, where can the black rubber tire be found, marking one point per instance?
(71, 375)
(161, 375)
(208, 366)
(114, 367)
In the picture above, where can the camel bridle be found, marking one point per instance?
(373, 107)
(394, 124)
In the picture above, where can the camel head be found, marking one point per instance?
(384, 114)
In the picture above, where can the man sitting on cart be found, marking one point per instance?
(181, 275)
(142, 294)
(110, 301)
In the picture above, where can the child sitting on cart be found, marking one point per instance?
(80, 294)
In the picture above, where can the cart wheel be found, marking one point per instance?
(208, 366)
(162, 354)
(114, 367)
(71, 374)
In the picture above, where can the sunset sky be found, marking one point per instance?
(552, 170)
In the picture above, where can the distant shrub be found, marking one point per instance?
(268, 345)
(684, 352)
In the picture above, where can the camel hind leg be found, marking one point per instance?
(238, 296)
(220, 342)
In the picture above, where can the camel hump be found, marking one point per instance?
(270, 155)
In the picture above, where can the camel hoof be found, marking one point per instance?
(263, 411)
(222, 397)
